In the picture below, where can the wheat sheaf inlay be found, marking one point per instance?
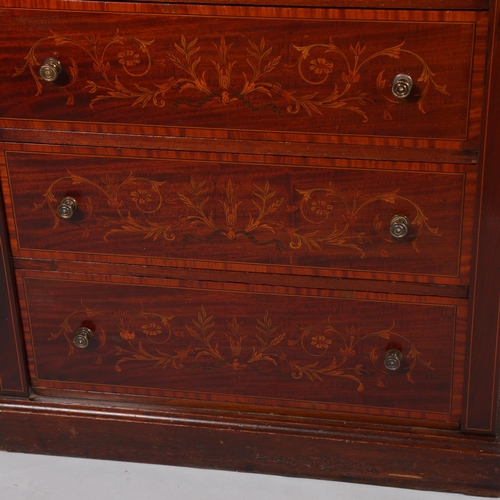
(227, 210)
(200, 74)
(315, 352)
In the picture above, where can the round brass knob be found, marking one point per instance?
(402, 85)
(67, 208)
(50, 69)
(393, 359)
(399, 226)
(81, 339)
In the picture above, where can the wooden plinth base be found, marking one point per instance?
(416, 458)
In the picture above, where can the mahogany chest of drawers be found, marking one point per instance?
(252, 236)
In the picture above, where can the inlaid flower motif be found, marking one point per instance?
(125, 334)
(348, 351)
(114, 203)
(128, 58)
(225, 78)
(321, 207)
(108, 180)
(321, 342)
(151, 329)
(321, 66)
(351, 77)
(141, 196)
(349, 218)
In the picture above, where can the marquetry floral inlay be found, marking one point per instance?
(200, 74)
(316, 351)
(220, 210)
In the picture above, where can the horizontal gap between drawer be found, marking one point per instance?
(164, 409)
(341, 151)
(353, 4)
(347, 285)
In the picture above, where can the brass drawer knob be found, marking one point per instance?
(393, 359)
(402, 85)
(50, 69)
(399, 226)
(81, 339)
(67, 207)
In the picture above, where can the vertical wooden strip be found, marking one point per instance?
(12, 365)
(481, 401)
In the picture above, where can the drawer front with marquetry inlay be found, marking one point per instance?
(245, 345)
(352, 218)
(305, 75)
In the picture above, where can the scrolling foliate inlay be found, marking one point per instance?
(308, 219)
(256, 76)
(313, 352)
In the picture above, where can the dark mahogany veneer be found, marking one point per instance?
(230, 186)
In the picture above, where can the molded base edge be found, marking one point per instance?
(411, 458)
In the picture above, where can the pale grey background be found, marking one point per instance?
(35, 477)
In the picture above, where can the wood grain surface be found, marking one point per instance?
(325, 219)
(245, 344)
(12, 361)
(235, 170)
(255, 74)
(378, 455)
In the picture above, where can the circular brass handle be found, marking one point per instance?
(81, 339)
(402, 85)
(393, 359)
(50, 69)
(67, 207)
(399, 226)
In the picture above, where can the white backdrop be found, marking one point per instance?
(35, 477)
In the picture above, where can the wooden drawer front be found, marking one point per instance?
(332, 219)
(242, 346)
(259, 76)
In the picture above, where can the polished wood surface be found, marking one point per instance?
(246, 344)
(314, 448)
(348, 287)
(12, 365)
(377, 4)
(235, 178)
(334, 220)
(255, 74)
(481, 405)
